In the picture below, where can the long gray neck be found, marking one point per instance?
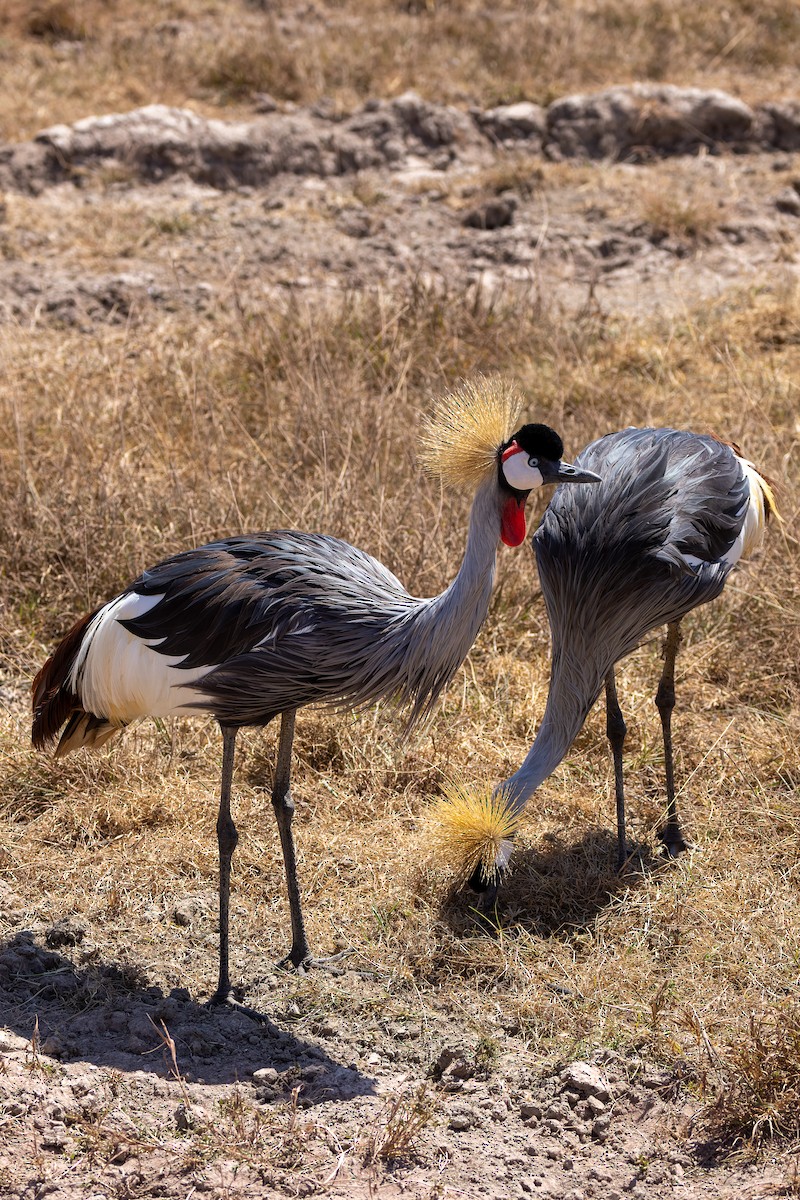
(575, 684)
(442, 629)
(464, 604)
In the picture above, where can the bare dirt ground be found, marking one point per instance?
(409, 192)
(116, 1081)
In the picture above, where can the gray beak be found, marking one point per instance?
(562, 472)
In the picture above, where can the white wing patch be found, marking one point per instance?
(754, 523)
(119, 676)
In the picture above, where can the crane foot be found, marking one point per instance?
(673, 841)
(306, 962)
(220, 1000)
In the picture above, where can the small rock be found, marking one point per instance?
(451, 1068)
(52, 1046)
(355, 223)
(583, 1078)
(264, 103)
(266, 1075)
(313, 1071)
(530, 1109)
(55, 1137)
(513, 122)
(595, 1105)
(460, 1121)
(182, 914)
(661, 117)
(492, 214)
(788, 202)
(600, 1128)
(67, 931)
(189, 1116)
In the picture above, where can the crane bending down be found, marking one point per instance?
(252, 627)
(674, 513)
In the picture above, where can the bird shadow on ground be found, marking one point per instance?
(556, 890)
(106, 1014)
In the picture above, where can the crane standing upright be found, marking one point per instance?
(249, 628)
(674, 513)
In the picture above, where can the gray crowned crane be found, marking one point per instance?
(250, 628)
(674, 513)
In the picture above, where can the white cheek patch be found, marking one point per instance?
(519, 475)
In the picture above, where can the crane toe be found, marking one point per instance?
(218, 1000)
(302, 964)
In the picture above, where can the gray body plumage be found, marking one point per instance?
(620, 559)
(286, 619)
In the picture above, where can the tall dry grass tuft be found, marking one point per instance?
(757, 1078)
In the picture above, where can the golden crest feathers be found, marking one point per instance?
(471, 828)
(461, 438)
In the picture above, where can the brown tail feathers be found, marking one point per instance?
(54, 701)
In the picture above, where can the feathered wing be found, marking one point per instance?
(643, 547)
(183, 632)
(246, 628)
(314, 612)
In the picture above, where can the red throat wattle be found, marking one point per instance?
(512, 525)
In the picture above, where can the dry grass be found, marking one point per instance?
(129, 442)
(399, 1124)
(58, 53)
(757, 1079)
(685, 213)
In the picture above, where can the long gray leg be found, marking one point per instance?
(283, 807)
(227, 837)
(670, 833)
(299, 956)
(615, 731)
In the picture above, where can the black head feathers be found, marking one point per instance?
(540, 441)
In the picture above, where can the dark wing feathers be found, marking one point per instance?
(612, 557)
(224, 599)
(281, 620)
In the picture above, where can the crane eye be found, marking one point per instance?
(533, 462)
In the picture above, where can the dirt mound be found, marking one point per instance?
(156, 142)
